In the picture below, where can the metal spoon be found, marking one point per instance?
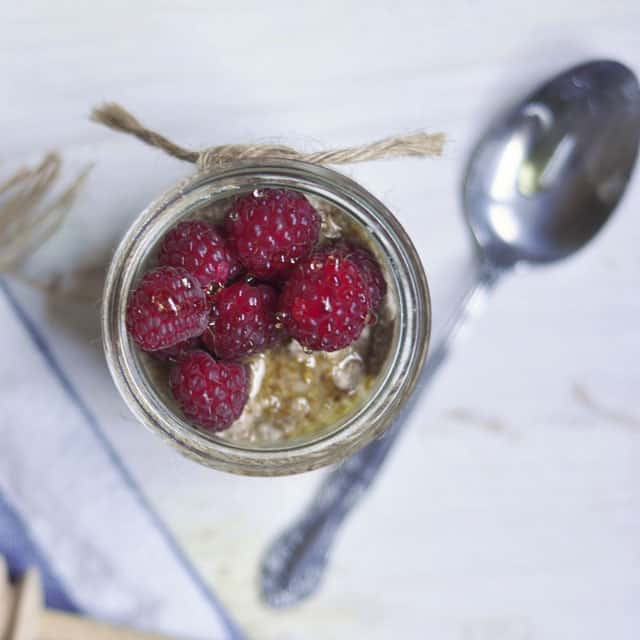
(539, 185)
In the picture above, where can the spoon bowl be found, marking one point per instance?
(544, 179)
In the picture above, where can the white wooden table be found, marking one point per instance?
(511, 508)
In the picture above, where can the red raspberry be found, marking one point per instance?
(197, 246)
(271, 230)
(167, 307)
(211, 394)
(366, 261)
(174, 353)
(325, 303)
(242, 320)
(236, 268)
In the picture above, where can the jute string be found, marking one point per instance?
(26, 218)
(418, 144)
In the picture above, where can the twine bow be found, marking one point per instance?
(418, 144)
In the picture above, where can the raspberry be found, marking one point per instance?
(271, 230)
(167, 307)
(325, 303)
(197, 246)
(368, 265)
(236, 269)
(242, 320)
(174, 353)
(211, 394)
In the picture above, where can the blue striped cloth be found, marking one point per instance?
(69, 505)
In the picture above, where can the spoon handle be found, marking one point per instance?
(293, 565)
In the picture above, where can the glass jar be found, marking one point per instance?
(406, 348)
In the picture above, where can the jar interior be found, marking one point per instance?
(297, 396)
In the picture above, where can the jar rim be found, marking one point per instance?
(383, 402)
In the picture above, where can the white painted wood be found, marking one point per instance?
(510, 509)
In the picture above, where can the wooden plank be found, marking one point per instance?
(62, 626)
(6, 598)
(27, 606)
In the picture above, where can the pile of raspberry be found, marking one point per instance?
(222, 293)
